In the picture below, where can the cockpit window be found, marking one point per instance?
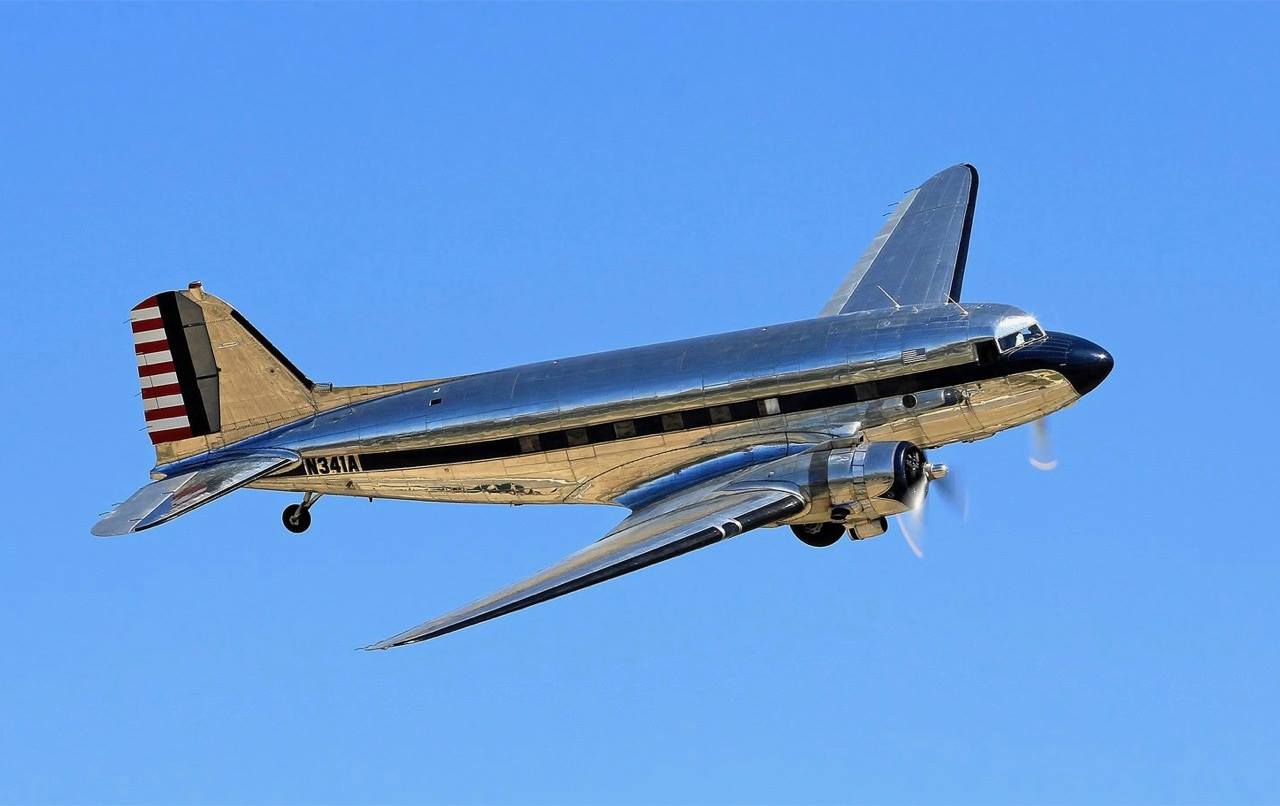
(1020, 338)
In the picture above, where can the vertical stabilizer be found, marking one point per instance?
(208, 376)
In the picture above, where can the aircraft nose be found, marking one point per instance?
(1083, 363)
(1087, 365)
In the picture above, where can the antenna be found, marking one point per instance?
(957, 304)
(891, 299)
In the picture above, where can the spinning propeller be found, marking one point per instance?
(949, 488)
(912, 522)
(1042, 456)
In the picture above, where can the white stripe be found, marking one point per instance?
(144, 314)
(167, 401)
(158, 357)
(146, 336)
(163, 379)
(168, 423)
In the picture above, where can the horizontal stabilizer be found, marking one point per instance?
(167, 499)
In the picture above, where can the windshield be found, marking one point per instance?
(1024, 335)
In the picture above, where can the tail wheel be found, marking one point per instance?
(296, 518)
(818, 535)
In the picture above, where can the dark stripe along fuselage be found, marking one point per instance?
(636, 393)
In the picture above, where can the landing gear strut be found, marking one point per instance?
(818, 535)
(297, 517)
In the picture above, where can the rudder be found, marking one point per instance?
(208, 376)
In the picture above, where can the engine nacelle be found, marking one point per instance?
(875, 479)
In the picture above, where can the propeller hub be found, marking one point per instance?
(914, 464)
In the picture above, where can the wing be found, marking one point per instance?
(648, 536)
(167, 499)
(918, 257)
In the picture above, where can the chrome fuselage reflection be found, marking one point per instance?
(615, 427)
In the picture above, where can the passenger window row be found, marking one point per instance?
(689, 418)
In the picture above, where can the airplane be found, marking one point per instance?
(819, 424)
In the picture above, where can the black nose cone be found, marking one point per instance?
(1083, 363)
(1087, 365)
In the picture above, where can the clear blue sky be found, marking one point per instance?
(394, 192)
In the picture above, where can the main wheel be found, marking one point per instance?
(818, 535)
(296, 519)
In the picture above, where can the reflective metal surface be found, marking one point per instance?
(802, 422)
(168, 498)
(640, 541)
(918, 258)
(757, 364)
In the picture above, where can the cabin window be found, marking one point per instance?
(553, 440)
(624, 429)
(721, 414)
(530, 444)
(672, 422)
(645, 426)
(601, 433)
(696, 418)
(576, 437)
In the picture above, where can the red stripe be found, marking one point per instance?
(151, 347)
(149, 302)
(155, 369)
(147, 324)
(164, 414)
(161, 391)
(169, 436)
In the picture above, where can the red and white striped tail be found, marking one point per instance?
(185, 386)
(162, 401)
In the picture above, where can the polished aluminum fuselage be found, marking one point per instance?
(611, 390)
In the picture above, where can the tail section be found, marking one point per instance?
(210, 379)
(208, 376)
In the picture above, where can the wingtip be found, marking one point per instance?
(395, 642)
(957, 168)
(109, 526)
(385, 644)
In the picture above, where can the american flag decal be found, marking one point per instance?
(914, 356)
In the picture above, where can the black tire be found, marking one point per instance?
(296, 519)
(818, 535)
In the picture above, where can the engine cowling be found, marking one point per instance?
(875, 479)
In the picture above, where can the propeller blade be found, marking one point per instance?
(953, 492)
(911, 541)
(1042, 457)
(911, 522)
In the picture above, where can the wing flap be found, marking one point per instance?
(168, 498)
(918, 257)
(638, 542)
